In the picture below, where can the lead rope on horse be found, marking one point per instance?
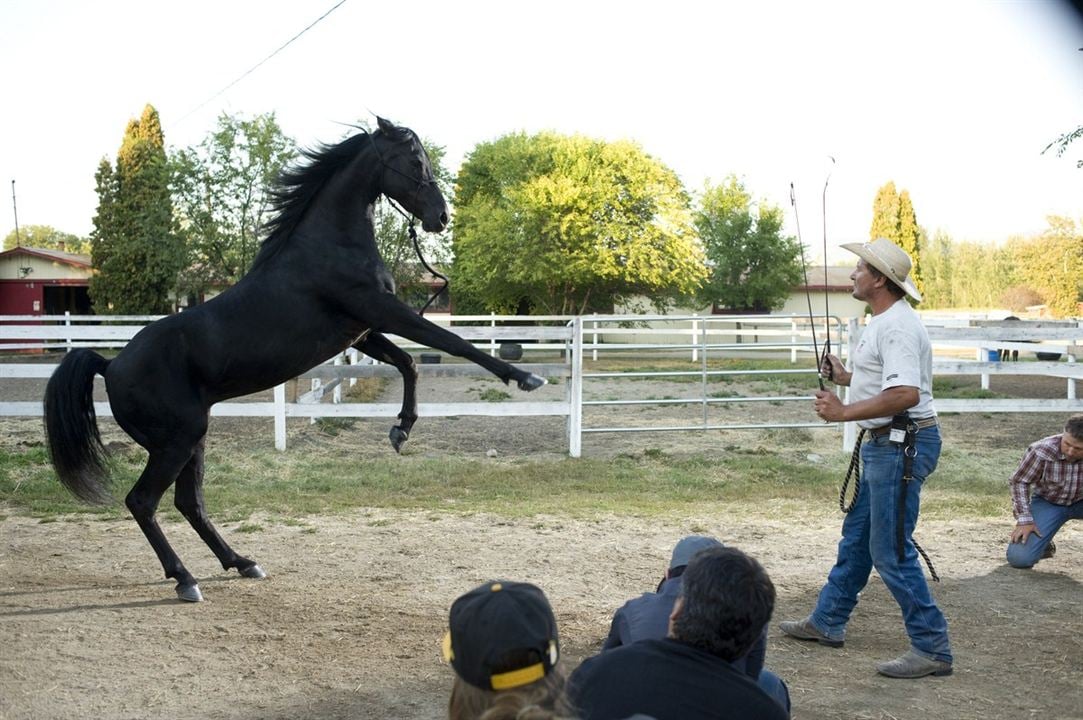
(412, 230)
(421, 257)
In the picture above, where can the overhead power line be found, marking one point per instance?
(261, 62)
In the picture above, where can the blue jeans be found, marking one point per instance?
(774, 686)
(1048, 517)
(868, 541)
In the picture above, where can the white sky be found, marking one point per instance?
(953, 99)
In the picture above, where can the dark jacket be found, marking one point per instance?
(668, 680)
(647, 617)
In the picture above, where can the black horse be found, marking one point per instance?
(317, 286)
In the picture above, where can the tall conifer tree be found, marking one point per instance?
(893, 217)
(909, 237)
(135, 247)
(885, 213)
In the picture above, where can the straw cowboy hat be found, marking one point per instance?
(889, 259)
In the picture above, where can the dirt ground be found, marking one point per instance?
(348, 623)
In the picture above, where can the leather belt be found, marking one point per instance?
(921, 423)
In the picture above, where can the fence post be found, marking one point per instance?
(703, 370)
(695, 339)
(594, 340)
(793, 341)
(575, 391)
(1071, 381)
(492, 340)
(280, 416)
(67, 324)
(336, 394)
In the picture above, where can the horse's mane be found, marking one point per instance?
(297, 186)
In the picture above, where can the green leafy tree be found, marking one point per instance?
(893, 217)
(1052, 264)
(971, 281)
(753, 266)
(567, 224)
(221, 194)
(47, 238)
(134, 246)
(938, 267)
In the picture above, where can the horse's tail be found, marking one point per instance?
(71, 428)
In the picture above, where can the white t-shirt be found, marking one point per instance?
(893, 351)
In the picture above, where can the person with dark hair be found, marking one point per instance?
(647, 617)
(725, 601)
(502, 643)
(1047, 491)
(891, 399)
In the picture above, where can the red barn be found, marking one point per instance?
(36, 281)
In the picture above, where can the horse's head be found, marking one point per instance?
(406, 176)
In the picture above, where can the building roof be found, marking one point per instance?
(54, 255)
(837, 279)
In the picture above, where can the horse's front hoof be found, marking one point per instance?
(253, 571)
(531, 382)
(189, 593)
(398, 437)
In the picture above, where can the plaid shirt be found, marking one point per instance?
(1045, 470)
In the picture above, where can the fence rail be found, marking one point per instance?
(777, 336)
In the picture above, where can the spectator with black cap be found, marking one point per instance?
(647, 617)
(502, 643)
(726, 600)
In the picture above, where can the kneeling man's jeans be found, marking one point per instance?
(1048, 517)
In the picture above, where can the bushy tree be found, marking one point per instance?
(938, 266)
(134, 246)
(752, 265)
(221, 193)
(568, 224)
(1052, 264)
(48, 238)
(974, 279)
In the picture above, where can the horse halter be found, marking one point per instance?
(420, 183)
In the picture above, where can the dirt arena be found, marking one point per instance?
(348, 623)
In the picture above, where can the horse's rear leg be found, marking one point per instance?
(188, 498)
(380, 348)
(162, 469)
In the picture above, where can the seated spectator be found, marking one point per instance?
(1047, 491)
(726, 600)
(502, 643)
(647, 617)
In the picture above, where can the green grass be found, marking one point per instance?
(291, 485)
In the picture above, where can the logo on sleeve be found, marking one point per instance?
(892, 376)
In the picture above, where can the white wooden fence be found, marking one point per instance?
(778, 334)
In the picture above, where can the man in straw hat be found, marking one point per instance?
(891, 400)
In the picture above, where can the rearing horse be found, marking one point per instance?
(317, 287)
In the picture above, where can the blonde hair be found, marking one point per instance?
(540, 700)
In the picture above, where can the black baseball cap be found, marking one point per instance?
(497, 626)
